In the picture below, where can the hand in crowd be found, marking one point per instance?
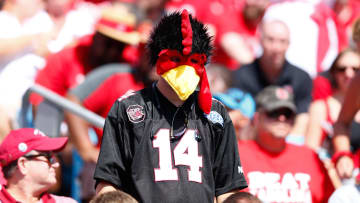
(90, 154)
(345, 167)
(41, 42)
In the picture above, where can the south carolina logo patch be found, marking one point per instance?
(135, 113)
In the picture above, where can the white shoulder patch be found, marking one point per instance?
(215, 117)
(129, 93)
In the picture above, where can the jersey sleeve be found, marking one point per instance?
(228, 173)
(113, 165)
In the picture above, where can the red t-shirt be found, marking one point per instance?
(64, 70)
(321, 88)
(344, 29)
(101, 100)
(3, 181)
(221, 16)
(294, 175)
(238, 25)
(5, 197)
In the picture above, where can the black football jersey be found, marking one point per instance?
(157, 152)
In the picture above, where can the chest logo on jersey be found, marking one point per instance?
(135, 113)
(215, 117)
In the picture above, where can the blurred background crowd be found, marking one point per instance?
(92, 52)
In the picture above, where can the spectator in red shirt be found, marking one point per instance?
(112, 41)
(343, 157)
(344, 160)
(322, 87)
(324, 112)
(273, 168)
(238, 42)
(29, 166)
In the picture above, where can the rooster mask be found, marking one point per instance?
(180, 47)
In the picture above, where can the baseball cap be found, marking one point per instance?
(21, 141)
(118, 23)
(236, 99)
(274, 97)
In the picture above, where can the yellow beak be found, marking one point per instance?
(183, 79)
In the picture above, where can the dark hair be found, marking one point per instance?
(334, 65)
(167, 35)
(245, 196)
(356, 30)
(9, 169)
(114, 197)
(222, 72)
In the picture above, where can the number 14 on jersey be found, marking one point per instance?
(185, 153)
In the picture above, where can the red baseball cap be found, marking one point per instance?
(21, 141)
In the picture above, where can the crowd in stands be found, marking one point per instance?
(286, 70)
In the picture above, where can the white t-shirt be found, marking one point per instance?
(78, 22)
(12, 28)
(346, 193)
(17, 73)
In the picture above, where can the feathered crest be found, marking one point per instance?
(173, 32)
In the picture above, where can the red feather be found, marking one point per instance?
(186, 31)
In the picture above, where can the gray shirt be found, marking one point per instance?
(346, 193)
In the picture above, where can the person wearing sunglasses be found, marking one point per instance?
(324, 112)
(276, 170)
(29, 166)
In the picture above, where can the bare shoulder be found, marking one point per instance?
(317, 107)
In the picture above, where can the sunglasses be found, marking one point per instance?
(342, 69)
(48, 155)
(287, 113)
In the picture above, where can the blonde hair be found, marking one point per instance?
(117, 196)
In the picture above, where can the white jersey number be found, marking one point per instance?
(185, 153)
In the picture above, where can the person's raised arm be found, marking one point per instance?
(240, 52)
(317, 115)
(223, 197)
(78, 128)
(104, 187)
(341, 140)
(35, 42)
